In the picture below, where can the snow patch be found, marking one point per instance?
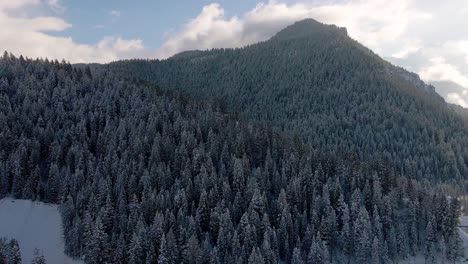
(464, 238)
(463, 221)
(34, 224)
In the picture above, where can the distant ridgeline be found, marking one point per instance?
(147, 176)
(313, 80)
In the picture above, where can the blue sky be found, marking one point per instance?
(150, 20)
(428, 37)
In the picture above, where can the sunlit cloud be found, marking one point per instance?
(35, 39)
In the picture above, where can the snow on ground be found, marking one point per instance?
(463, 235)
(419, 259)
(463, 221)
(34, 224)
(464, 238)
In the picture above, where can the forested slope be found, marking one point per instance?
(144, 176)
(314, 81)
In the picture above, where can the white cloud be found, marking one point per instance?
(372, 22)
(56, 6)
(209, 29)
(114, 13)
(440, 70)
(5, 4)
(457, 47)
(406, 51)
(120, 45)
(464, 11)
(455, 98)
(34, 40)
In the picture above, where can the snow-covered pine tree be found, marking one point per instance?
(38, 257)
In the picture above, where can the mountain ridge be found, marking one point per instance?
(312, 28)
(306, 28)
(329, 89)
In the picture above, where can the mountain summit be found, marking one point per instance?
(315, 81)
(307, 28)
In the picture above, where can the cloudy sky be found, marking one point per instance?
(429, 37)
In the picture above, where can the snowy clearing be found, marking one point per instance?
(463, 221)
(34, 224)
(464, 236)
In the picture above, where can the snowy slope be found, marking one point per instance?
(464, 236)
(463, 221)
(34, 224)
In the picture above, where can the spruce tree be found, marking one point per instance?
(163, 258)
(38, 257)
(14, 254)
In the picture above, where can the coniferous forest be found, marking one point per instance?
(162, 171)
(146, 176)
(313, 80)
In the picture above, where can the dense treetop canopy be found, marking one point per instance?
(146, 176)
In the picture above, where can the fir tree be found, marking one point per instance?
(38, 257)
(162, 258)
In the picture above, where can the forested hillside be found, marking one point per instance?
(314, 81)
(144, 176)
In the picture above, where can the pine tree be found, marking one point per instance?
(318, 252)
(442, 251)
(3, 251)
(256, 257)
(38, 257)
(267, 251)
(345, 233)
(296, 257)
(203, 212)
(362, 234)
(135, 250)
(191, 253)
(97, 244)
(14, 254)
(430, 250)
(162, 258)
(257, 203)
(283, 235)
(454, 247)
(238, 176)
(376, 251)
(120, 255)
(329, 226)
(214, 258)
